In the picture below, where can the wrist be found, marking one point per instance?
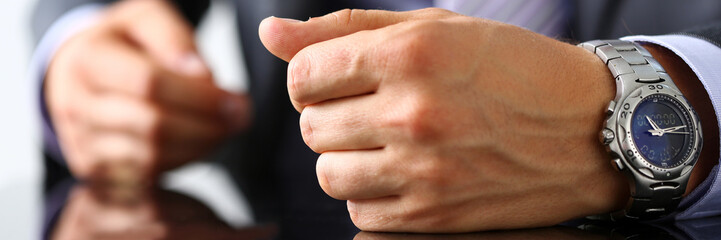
(606, 189)
(692, 89)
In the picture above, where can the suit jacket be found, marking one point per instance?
(271, 164)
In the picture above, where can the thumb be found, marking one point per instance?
(286, 37)
(159, 29)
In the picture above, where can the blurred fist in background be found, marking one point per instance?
(131, 94)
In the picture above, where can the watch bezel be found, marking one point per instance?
(628, 148)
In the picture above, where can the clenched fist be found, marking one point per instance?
(430, 121)
(132, 95)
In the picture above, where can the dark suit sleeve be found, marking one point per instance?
(710, 33)
(47, 11)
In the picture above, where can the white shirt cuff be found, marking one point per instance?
(69, 24)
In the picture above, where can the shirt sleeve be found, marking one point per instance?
(704, 58)
(72, 22)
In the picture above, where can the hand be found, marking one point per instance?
(555, 233)
(132, 95)
(429, 121)
(130, 213)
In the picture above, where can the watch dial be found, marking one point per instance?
(662, 130)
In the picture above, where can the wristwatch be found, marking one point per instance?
(651, 132)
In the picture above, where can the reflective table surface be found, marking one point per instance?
(73, 210)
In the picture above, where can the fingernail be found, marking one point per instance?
(290, 20)
(192, 65)
(236, 112)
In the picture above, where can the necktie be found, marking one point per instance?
(547, 17)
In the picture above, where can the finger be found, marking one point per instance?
(114, 155)
(206, 100)
(159, 29)
(344, 124)
(124, 158)
(337, 68)
(124, 114)
(358, 174)
(285, 37)
(115, 67)
(182, 129)
(379, 214)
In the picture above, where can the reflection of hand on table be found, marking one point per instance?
(429, 121)
(128, 213)
(132, 92)
(549, 233)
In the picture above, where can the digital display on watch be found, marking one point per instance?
(662, 130)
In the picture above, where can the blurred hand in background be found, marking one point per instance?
(132, 93)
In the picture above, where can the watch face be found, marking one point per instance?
(662, 131)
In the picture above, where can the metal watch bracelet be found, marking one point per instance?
(633, 67)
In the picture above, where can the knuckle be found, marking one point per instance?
(362, 222)
(365, 221)
(60, 101)
(63, 112)
(342, 16)
(417, 121)
(334, 181)
(152, 128)
(430, 173)
(298, 73)
(355, 65)
(322, 168)
(81, 165)
(356, 217)
(144, 81)
(306, 129)
(434, 12)
(345, 16)
(415, 48)
(150, 155)
(146, 156)
(417, 125)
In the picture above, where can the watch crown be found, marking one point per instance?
(607, 136)
(610, 108)
(618, 164)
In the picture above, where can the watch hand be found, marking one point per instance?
(656, 132)
(678, 133)
(653, 124)
(671, 129)
(660, 132)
